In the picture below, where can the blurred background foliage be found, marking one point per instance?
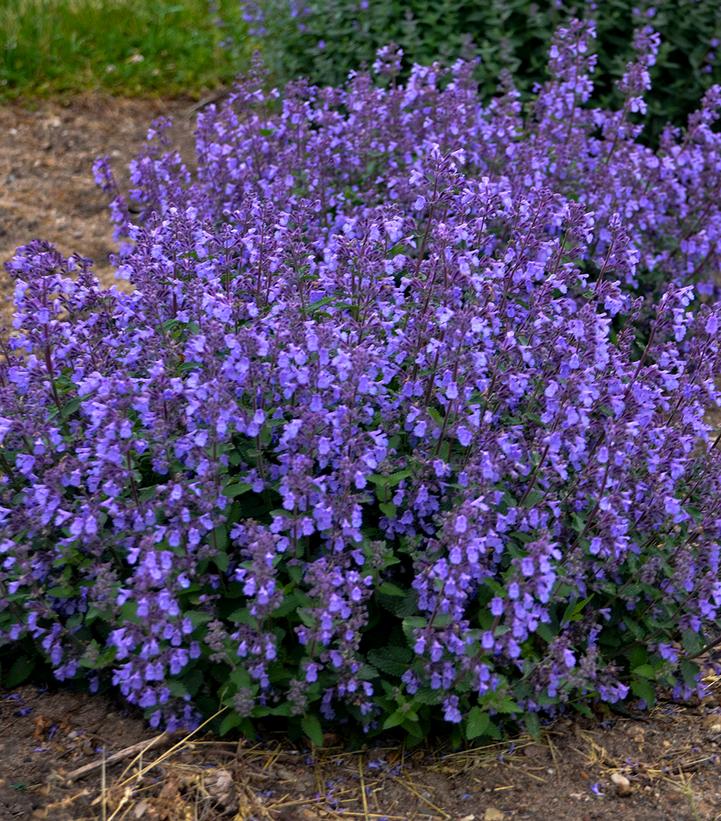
(325, 39)
(130, 47)
(171, 47)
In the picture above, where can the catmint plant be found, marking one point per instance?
(407, 418)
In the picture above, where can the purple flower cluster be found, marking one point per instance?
(383, 430)
(338, 152)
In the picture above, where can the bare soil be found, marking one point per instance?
(671, 757)
(47, 150)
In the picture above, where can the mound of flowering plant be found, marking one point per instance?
(382, 435)
(339, 151)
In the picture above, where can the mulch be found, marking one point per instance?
(57, 762)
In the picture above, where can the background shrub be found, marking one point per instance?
(325, 39)
(384, 434)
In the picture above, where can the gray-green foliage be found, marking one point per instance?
(325, 39)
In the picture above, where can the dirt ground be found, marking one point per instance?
(670, 758)
(46, 183)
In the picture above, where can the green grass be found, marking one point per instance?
(130, 47)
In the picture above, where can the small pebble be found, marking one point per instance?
(623, 785)
(714, 725)
(141, 809)
(493, 814)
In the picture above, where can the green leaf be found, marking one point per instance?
(637, 656)
(390, 589)
(574, 610)
(391, 660)
(506, 705)
(427, 696)
(644, 671)
(394, 719)
(477, 723)
(281, 710)
(411, 726)
(69, 408)
(436, 416)
(236, 489)
(220, 537)
(59, 592)
(545, 632)
(534, 497)
(524, 538)
(230, 722)
(198, 617)
(692, 643)
(221, 561)
(240, 678)
(388, 509)
(311, 727)
(397, 477)
(193, 681)
(366, 672)
(128, 612)
(643, 689)
(291, 602)
(412, 623)
(690, 671)
(400, 606)
(320, 303)
(20, 671)
(177, 689)
(243, 616)
(306, 616)
(533, 725)
(583, 709)
(635, 628)
(390, 481)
